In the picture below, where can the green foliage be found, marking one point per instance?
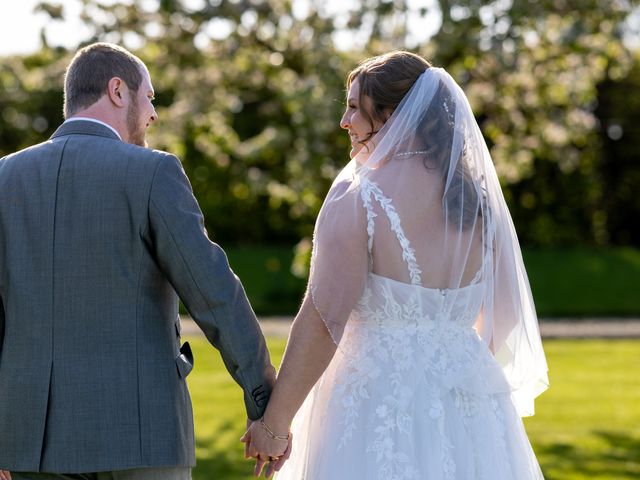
(267, 278)
(619, 114)
(532, 70)
(30, 98)
(250, 93)
(585, 427)
(253, 112)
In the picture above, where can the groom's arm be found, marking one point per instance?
(199, 272)
(2, 320)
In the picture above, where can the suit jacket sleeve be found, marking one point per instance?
(199, 272)
(2, 316)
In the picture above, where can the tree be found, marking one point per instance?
(250, 92)
(532, 71)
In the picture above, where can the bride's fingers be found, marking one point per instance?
(287, 452)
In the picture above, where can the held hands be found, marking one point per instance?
(5, 475)
(265, 446)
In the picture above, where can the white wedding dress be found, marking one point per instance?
(413, 392)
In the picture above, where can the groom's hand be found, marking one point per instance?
(246, 439)
(5, 475)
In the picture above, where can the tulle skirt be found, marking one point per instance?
(397, 413)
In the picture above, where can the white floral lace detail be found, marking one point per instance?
(369, 188)
(500, 433)
(370, 340)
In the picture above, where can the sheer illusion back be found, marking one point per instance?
(404, 232)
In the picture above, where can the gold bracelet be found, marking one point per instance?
(283, 438)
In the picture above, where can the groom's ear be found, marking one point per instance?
(118, 92)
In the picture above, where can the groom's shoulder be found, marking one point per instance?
(26, 156)
(147, 157)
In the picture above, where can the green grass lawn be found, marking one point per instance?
(587, 425)
(572, 282)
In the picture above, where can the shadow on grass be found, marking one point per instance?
(220, 463)
(223, 467)
(619, 459)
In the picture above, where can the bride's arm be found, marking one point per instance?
(338, 274)
(309, 350)
(336, 284)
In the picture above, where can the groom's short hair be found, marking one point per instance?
(87, 76)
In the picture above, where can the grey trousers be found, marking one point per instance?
(171, 473)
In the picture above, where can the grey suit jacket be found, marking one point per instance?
(96, 238)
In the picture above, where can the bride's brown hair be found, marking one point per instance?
(386, 79)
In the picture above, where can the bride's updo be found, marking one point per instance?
(386, 79)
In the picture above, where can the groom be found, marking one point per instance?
(97, 235)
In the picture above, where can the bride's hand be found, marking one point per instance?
(265, 446)
(5, 475)
(276, 465)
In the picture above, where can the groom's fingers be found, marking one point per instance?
(251, 452)
(246, 451)
(259, 466)
(246, 439)
(271, 469)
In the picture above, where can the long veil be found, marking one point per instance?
(432, 167)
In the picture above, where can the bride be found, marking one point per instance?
(416, 349)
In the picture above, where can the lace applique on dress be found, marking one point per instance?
(369, 189)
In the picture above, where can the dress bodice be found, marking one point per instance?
(459, 305)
